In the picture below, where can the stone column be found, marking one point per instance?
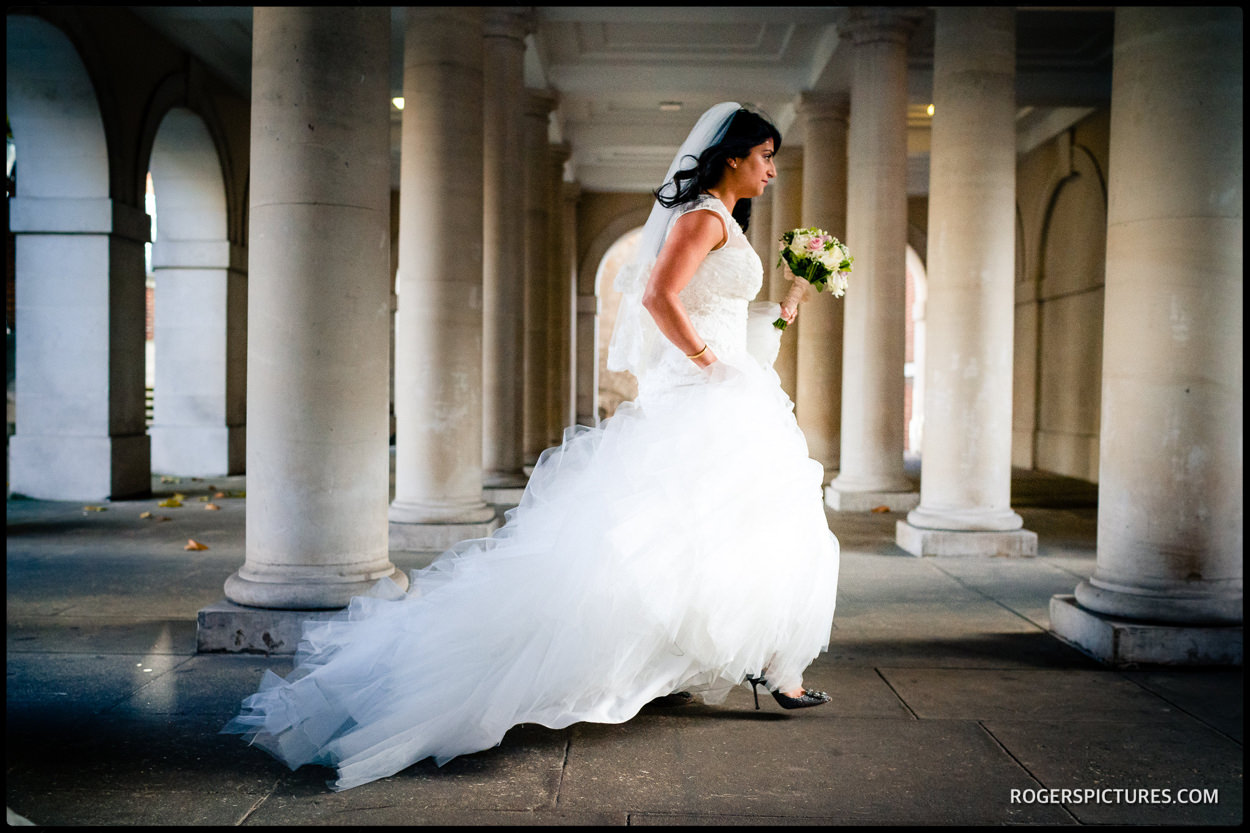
(818, 405)
(438, 333)
(1167, 585)
(503, 254)
(318, 300)
(537, 202)
(871, 464)
(560, 314)
(787, 211)
(965, 488)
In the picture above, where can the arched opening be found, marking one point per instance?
(913, 367)
(190, 272)
(614, 387)
(78, 284)
(626, 212)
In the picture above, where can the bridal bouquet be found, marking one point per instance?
(819, 258)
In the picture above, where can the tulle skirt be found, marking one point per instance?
(680, 545)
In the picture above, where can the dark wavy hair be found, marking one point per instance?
(747, 129)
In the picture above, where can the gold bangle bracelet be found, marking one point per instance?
(696, 355)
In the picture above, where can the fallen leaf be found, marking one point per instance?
(211, 506)
(167, 479)
(203, 498)
(94, 509)
(193, 544)
(179, 496)
(220, 494)
(881, 509)
(146, 515)
(211, 487)
(170, 503)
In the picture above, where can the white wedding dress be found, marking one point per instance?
(681, 545)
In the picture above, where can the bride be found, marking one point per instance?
(680, 546)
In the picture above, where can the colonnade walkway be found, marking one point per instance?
(952, 704)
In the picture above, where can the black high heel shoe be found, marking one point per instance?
(808, 698)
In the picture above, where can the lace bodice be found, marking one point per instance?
(716, 299)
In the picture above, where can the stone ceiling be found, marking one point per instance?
(613, 68)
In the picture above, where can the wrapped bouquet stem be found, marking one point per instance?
(814, 257)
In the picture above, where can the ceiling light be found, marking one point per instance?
(670, 106)
(398, 101)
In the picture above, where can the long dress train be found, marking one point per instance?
(682, 544)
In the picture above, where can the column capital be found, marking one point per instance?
(871, 24)
(820, 105)
(509, 22)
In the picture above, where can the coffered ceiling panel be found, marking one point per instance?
(632, 79)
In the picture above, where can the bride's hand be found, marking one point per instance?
(707, 359)
(721, 372)
(790, 304)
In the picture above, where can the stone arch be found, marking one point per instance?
(588, 309)
(1071, 256)
(79, 282)
(614, 387)
(588, 274)
(50, 95)
(182, 90)
(200, 308)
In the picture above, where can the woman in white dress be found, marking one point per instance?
(681, 545)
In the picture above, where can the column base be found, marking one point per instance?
(967, 543)
(504, 487)
(1122, 643)
(503, 495)
(227, 628)
(425, 537)
(301, 593)
(867, 501)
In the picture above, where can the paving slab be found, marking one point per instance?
(804, 766)
(1024, 586)
(1214, 696)
(136, 806)
(1026, 694)
(91, 683)
(125, 752)
(1165, 757)
(204, 685)
(68, 634)
(948, 643)
(712, 820)
(521, 775)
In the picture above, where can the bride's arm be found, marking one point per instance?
(692, 237)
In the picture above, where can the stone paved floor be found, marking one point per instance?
(952, 703)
